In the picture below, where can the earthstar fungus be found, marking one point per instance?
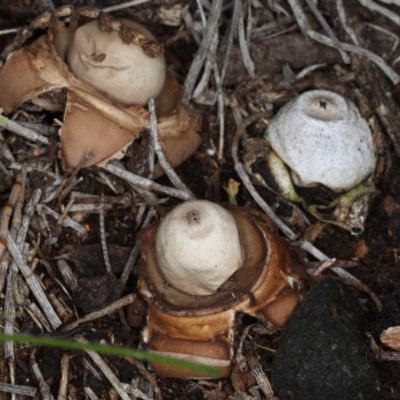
(320, 139)
(201, 327)
(83, 58)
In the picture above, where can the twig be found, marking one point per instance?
(5, 151)
(381, 10)
(325, 265)
(68, 222)
(146, 373)
(18, 389)
(103, 239)
(62, 393)
(9, 312)
(27, 133)
(135, 252)
(390, 34)
(144, 183)
(329, 31)
(7, 213)
(43, 386)
(37, 316)
(261, 378)
(67, 274)
(71, 178)
(98, 314)
(33, 283)
(343, 20)
(155, 139)
(89, 392)
(243, 45)
(135, 392)
(306, 29)
(48, 4)
(122, 6)
(106, 370)
(198, 61)
(8, 31)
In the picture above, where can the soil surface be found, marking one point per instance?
(280, 63)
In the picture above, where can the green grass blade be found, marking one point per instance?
(2, 118)
(111, 350)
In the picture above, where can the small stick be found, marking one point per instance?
(62, 393)
(106, 370)
(135, 392)
(243, 45)
(21, 130)
(306, 28)
(135, 252)
(8, 31)
(343, 20)
(71, 178)
(155, 139)
(144, 183)
(381, 10)
(325, 265)
(38, 317)
(66, 272)
(18, 389)
(5, 151)
(9, 312)
(198, 61)
(68, 189)
(124, 301)
(48, 4)
(59, 307)
(146, 373)
(68, 222)
(329, 31)
(32, 282)
(261, 378)
(7, 213)
(103, 239)
(89, 392)
(43, 386)
(122, 6)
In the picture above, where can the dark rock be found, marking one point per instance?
(321, 353)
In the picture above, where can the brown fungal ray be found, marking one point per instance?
(28, 73)
(179, 136)
(85, 129)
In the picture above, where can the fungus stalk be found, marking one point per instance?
(198, 247)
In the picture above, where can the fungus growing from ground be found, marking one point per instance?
(322, 138)
(198, 247)
(110, 69)
(318, 139)
(191, 315)
(124, 72)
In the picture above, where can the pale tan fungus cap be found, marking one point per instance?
(198, 247)
(123, 71)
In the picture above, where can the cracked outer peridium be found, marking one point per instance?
(92, 120)
(201, 328)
